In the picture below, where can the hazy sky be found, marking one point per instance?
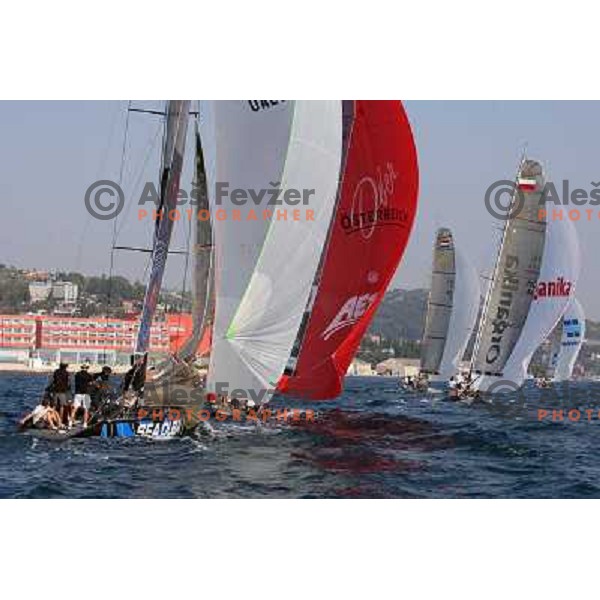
(50, 152)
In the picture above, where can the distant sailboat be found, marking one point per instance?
(452, 308)
(534, 279)
(572, 335)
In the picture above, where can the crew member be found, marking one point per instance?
(83, 380)
(61, 390)
(100, 387)
(136, 376)
(42, 416)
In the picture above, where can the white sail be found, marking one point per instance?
(265, 267)
(465, 306)
(244, 150)
(571, 340)
(558, 279)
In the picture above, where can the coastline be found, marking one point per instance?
(45, 369)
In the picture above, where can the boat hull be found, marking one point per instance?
(128, 428)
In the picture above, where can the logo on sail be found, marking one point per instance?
(258, 105)
(558, 288)
(370, 204)
(350, 313)
(510, 285)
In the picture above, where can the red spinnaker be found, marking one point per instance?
(373, 221)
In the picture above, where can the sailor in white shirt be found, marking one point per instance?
(38, 414)
(42, 416)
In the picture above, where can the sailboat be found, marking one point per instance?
(267, 282)
(129, 420)
(534, 279)
(571, 336)
(125, 419)
(302, 288)
(452, 309)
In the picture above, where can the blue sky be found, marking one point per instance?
(50, 152)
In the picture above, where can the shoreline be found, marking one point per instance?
(46, 369)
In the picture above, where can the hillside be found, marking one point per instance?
(401, 318)
(401, 315)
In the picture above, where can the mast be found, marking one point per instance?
(172, 162)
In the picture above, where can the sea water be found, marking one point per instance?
(375, 441)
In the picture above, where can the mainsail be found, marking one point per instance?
(451, 309)
(202, 268)
(172, 162)
(266, 263)
(376, 206)
(535, 274)
(571, 340)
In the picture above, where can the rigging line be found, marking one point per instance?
(99, 174)
(138, 181)
(114, 232)
(162, 129)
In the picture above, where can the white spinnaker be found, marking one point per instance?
(561, 259)
(465, 306)
(255, 331)
(573, 334)
(245, 150)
